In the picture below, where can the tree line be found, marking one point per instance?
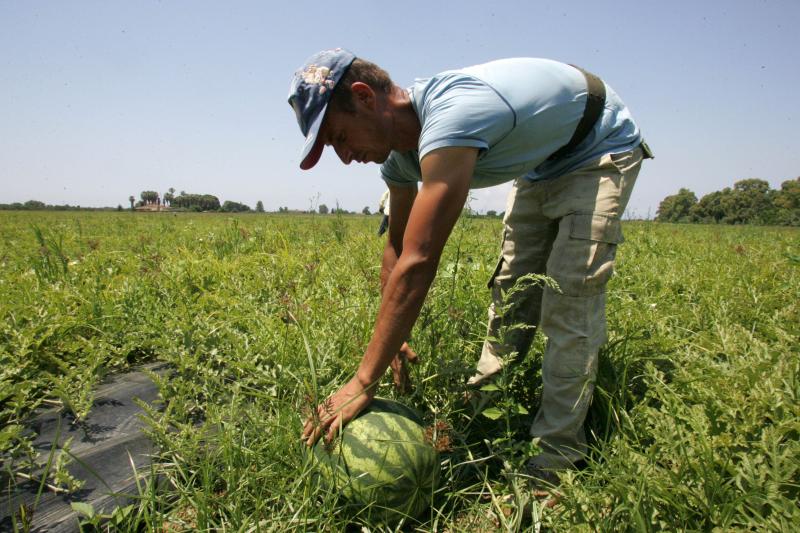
(750, 201)
(36, 205)
(190, 202)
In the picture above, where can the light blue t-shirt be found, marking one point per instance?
(517, 112)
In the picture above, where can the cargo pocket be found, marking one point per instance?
(586, 260)
(596, 227)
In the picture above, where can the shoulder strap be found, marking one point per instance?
(595, 100)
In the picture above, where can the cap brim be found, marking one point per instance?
(312, 149)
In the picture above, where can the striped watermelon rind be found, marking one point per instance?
(382, 464)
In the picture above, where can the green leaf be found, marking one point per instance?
(121, 514)
(490, 387)
(85, 509)
(520, 410)
(492, 413)
(8, 434)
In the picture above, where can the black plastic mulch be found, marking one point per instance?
(106, 447)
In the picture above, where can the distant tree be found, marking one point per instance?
(37, 205)
(491, 213)
(787, 203)
(259, 206)
(750, 203)
(197, 202)
(149, 197)
(234, 207)
(132, 199)
(168, 197)
(677, 207)
(34, 205)
(711, 207)
(323, 209)
(210, 202)
(365, 211)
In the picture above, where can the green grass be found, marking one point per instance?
(695, 422)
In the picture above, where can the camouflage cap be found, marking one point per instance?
(309, 94)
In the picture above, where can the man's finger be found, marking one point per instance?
(315, 433)
(313, 428)
(313, 437)
(408, 353)
(309, 427)
(397, 367)
(400, 376)
(308, 431)
(333, 429)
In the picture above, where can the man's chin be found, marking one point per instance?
(382, 158)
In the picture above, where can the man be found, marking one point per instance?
(574, 152)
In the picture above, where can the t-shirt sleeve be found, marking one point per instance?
(399, 172)
(461, 110)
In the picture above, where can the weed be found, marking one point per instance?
(693, 423)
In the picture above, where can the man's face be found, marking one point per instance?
(356, 137)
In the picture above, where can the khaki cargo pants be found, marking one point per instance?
(569, 229)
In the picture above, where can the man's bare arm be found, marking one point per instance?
(401, 199)
(446, 178)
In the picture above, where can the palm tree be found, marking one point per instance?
(149, 197)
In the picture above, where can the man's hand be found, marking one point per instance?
(335, 412)
(400, 374)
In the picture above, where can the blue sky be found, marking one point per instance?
(101, 100)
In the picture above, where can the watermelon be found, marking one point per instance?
(382, 465)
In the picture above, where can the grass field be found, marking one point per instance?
(695, 422)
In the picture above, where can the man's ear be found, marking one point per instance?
(363, 93)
